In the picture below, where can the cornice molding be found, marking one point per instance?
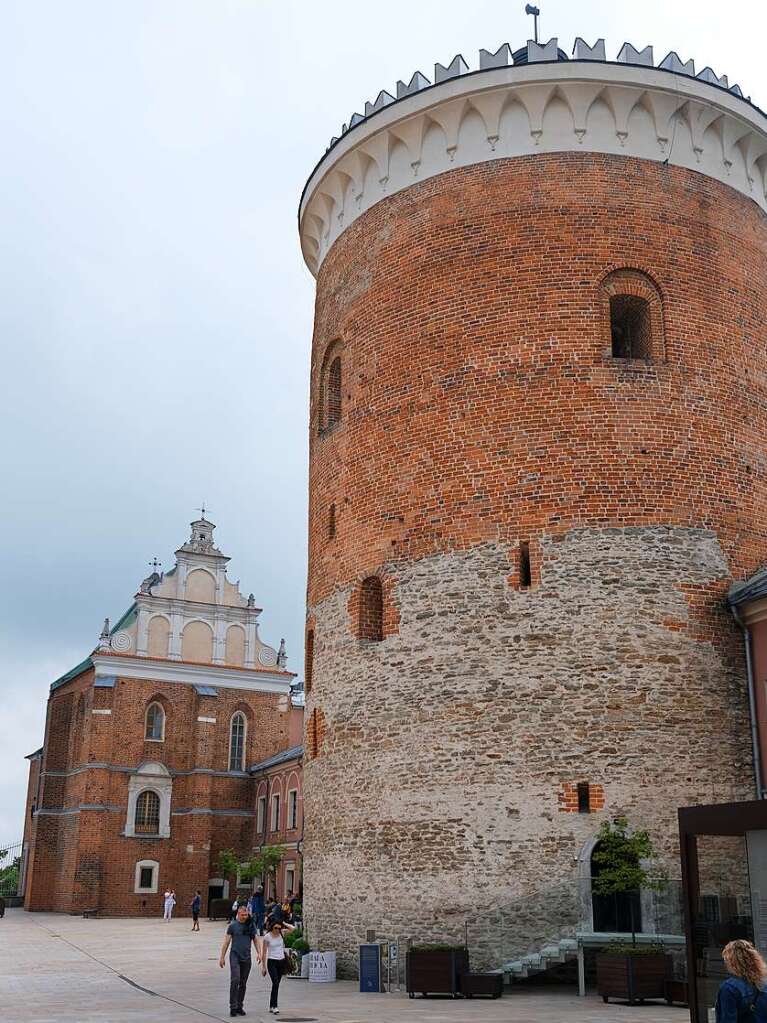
(575, 106)
(754, 612)
(184, 673)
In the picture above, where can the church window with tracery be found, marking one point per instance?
(237, 743)
(155, 723)
(147, 819)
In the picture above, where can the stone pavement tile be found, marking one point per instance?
(61, 969)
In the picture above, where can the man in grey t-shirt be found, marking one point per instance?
(240, 934)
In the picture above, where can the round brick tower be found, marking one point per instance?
(538, 411)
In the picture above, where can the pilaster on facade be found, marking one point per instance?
(176, 628)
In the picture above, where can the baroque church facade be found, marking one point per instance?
(157, 747)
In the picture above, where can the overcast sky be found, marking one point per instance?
(155, 313)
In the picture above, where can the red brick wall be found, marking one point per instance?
(79, 860)
(282, 779)
(478, 400)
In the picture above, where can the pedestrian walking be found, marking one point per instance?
(742, 996)
(271, 954)
(239, 935)
(170, 902)
(257, 909)
(196, 907)
(273, 913)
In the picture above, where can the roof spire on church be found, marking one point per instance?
(104, 641)
(201, 540)
(282, 657)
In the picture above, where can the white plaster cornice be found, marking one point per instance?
(578, 106)
(159, 670)
(754, 612)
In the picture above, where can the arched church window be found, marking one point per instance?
(237, 731)
(147, 819)
(154, 729)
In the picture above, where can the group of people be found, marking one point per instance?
(169, 902)
(250, 927)
(261, 910)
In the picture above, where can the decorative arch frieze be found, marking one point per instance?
(618, 109)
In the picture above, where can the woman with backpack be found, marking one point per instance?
(742, 996)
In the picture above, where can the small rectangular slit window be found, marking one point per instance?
(525, 576)
(332, 522)
(584, 802)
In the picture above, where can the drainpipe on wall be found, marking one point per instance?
(751, 703)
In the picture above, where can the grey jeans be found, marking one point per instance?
(239, 970)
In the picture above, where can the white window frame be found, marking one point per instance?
(154, 776)
(260, 814)
(290, 868)
(244, 740)
(292, 822)
(275, 814)
(249, 883)
(154, 703)
(155, 886)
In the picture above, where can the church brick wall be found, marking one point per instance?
(81, 860)
(481, 410)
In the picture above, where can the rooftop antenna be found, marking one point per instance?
(535, 11)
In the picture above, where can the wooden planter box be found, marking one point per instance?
(436, 971)
(632, 978)
(490, 984)
(677, 991)
(219, 909)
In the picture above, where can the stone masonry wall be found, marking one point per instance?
(447, 745)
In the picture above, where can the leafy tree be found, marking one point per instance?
(621, 856)
(9, 875)
(228, 862)
(264, 864)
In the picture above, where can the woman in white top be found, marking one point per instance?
(170, 902)
(271, 955)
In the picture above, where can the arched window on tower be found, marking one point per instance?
(635, 311)
(237, 730)
(154, 726)
(331, 380)
(147, 819)
(371, 609)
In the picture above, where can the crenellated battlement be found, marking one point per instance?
(534, 53)
(535, 100)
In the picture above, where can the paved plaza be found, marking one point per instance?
(62, 969)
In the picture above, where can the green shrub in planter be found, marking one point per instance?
(437, 947)
(625, 949)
